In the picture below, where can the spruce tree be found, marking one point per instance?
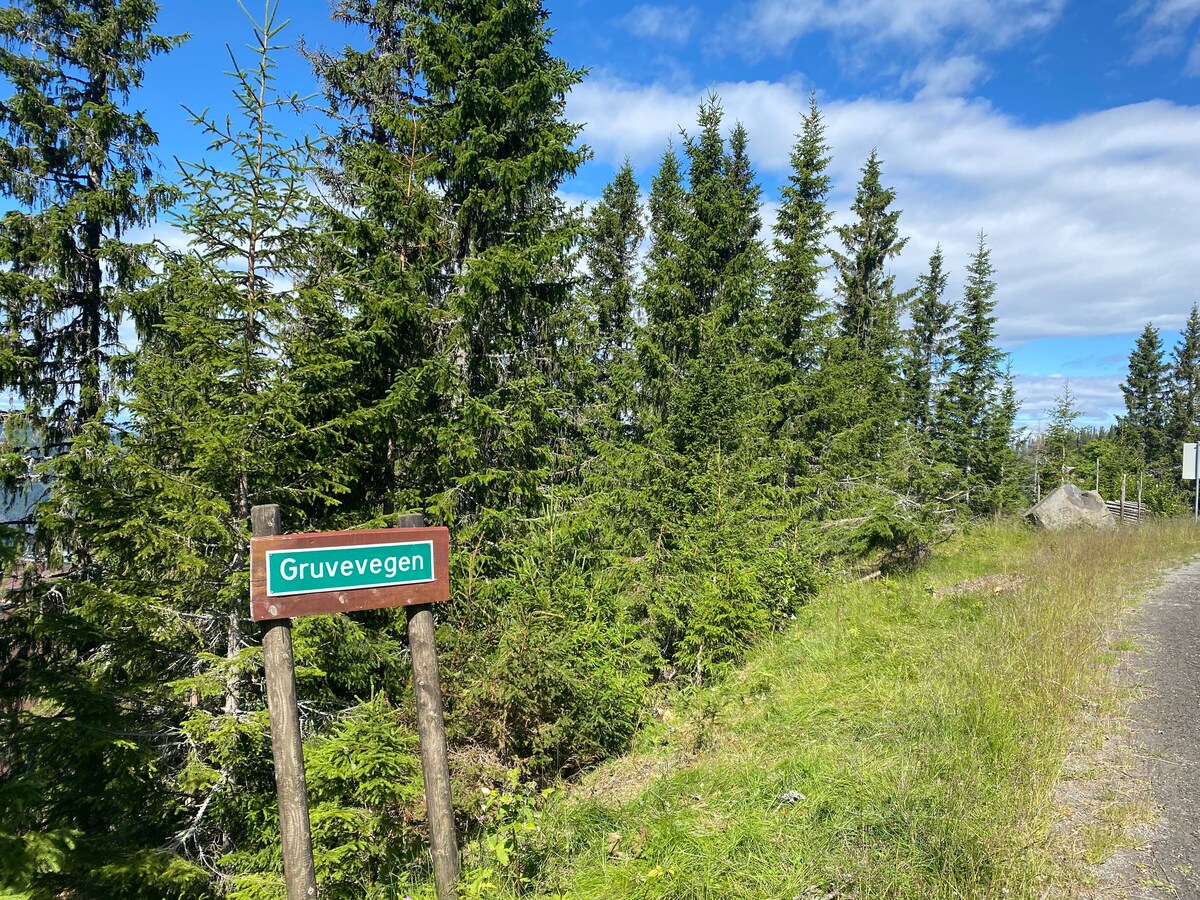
(868, 308)
(211, 426)
(965, 410)
(1146, 393)
(745, 189)
(799, 315)
(76, 169)
(712, 232)
(928, 353)
(1184, 412)
(671, 332)
(501, 147)
(722, 266)
(611, 245)
(705, 462)
(379, 257)
(611, 242)
(1060, 433)
(77, 796)
(717, 219)
(745, 270)
(217, 419)
(447, 253)
(862, 404)
(1003, 466)
(878, 485)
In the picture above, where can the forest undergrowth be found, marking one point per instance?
(896, 741)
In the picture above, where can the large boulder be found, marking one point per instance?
(1069, 507)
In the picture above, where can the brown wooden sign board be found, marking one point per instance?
(295, 575)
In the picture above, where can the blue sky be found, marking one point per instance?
(1067, 130)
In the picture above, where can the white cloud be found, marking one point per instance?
(623, 118)
(1164, 30)
(952, 77)
(667, 23)
(774, 24)
(1097, 398)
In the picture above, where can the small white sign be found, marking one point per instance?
(1191, 465)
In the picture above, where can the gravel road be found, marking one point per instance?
(1166, 721)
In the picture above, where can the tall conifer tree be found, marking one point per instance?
(380, 255)
(78, 808)
(1184, 424)
(75, 162)
(1003, 462)
(800, 319)
(220, 419)
(862, 405)
(745, 270)
(711, 233)
(965, 409)
(869, 308)
(501, 148)
(1146, 394)
(216, 424)
(723, 263)
(670, 327)
(928, 354)
(721, 257)
(611, 243)
(876, 476)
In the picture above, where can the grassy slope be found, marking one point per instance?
(891, 744)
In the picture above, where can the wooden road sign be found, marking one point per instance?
(333, 572)
(295, 575)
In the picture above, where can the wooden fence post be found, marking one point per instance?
(1123, 477)
(431, 728)
(279, 668)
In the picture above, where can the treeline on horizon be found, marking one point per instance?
(1162, 413)
(646, 460)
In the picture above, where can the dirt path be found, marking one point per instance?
(1166, 723)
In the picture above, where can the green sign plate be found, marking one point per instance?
(344, 571)
(322, 569)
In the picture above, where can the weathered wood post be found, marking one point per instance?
(279, 667)
(431, 729)
(1139, 506)
(1123, 478)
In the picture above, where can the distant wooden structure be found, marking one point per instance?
(1129, 512)
(1126, 512)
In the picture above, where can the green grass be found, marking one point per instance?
(890, 744)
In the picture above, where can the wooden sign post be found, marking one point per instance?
(333, 572)
(431, 730)
(279, 669)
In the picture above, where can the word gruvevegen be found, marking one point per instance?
(320, 569)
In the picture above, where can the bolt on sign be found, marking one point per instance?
(295, 575)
